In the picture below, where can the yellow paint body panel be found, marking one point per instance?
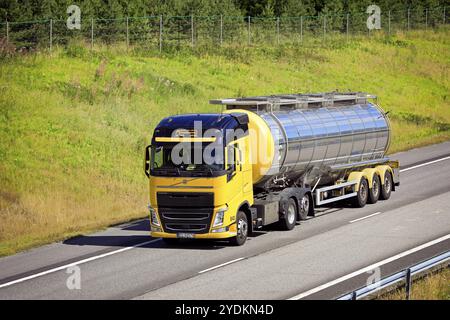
(261, 144)
(382, 171)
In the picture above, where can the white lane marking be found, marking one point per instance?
(425, 164)
(370, 215)
(368, 268)
(43, 273)
(221, 265)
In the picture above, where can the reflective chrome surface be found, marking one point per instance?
(327, 136)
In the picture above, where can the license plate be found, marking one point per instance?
(185, 235)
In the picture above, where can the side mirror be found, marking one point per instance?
(147, 161)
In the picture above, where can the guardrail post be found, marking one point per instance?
(160, 32)
(221, 29)
(408, 284)
(192, 30)
(354, 295)
(92, 34)
(248, 18)
(51, 34)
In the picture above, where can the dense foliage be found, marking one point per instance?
(28, 10)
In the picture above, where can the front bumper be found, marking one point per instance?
(210, 235)
(215, 235)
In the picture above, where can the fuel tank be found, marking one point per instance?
(308, 143)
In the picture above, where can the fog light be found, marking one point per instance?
(153, 216)
(220, 230)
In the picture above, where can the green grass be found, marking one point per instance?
(74, 123)
(433, 287)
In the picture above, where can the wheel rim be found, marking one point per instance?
(375, 187)
(242, 229)
(305, 204)
(291, 213)
(363, 191)
(387, 184)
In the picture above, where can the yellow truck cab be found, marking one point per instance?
(200, 199)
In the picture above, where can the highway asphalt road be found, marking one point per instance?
(323, 257)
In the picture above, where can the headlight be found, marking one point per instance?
(153, 216)
(218, 220)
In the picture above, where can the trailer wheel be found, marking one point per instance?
(362, 195)
(386, 189)
(241, 228)
(374, 192)
(290, 217)
(304, 207)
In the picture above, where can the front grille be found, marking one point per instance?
(185, 212)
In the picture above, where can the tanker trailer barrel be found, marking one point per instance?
(311, 139)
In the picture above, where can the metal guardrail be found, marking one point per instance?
(404, 275)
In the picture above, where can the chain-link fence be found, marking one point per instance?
(164, 33)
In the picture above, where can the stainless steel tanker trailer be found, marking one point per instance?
(287, 155)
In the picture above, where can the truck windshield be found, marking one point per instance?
(168, 159)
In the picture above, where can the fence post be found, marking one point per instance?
(278, 30)
(221, 29)
(409, 13)
(426, 19)
(324, 26)
(346, 25)
(7, 32)
(92, 34)
(248, 18)
(408, 284)
(51, 34)
(128, 36)
(389, 22)
(301, 29)
(160, 32)
(192, 30)
(445, 15)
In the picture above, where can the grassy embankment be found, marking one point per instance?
(432, 287)
(74, 124)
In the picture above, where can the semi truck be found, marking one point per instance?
(266, 160)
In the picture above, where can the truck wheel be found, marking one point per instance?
(363, 194)
(290, 217)
(304, 207)
(171, 241)
(386, 189)
(374, 192)
(242, 229)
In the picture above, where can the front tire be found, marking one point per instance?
(241, 229)
(386, 189)
(362, 195)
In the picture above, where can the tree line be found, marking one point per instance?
(34, 10)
